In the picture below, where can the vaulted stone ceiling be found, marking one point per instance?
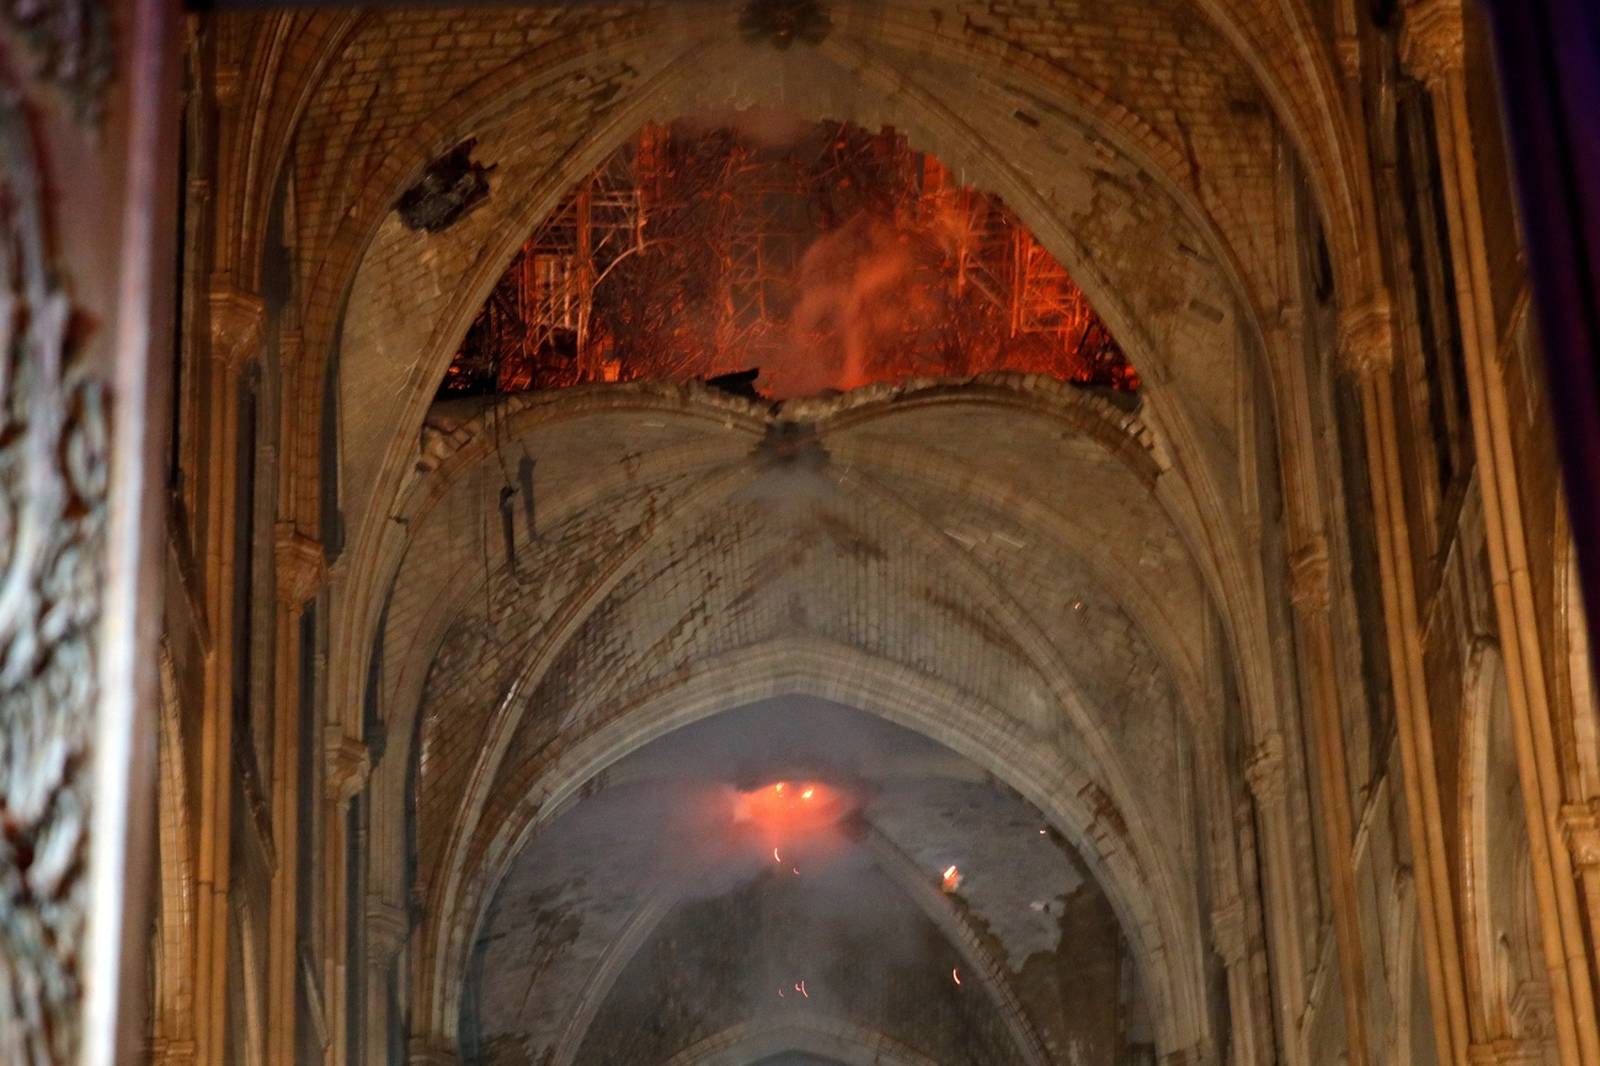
(670, 553)
(1072, 609)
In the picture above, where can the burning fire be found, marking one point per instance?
(794, 822)
(830, 258)
(951, 879)
(786, 808)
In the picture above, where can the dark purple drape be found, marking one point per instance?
(1548, 54)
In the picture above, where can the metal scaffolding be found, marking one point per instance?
(697, 250)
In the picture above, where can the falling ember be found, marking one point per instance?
(808, 793)
(955, 972)
(800, 987)
(775, 857)
(952, 878)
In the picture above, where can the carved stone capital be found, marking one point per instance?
(1506, 1051)
(1366, 336)
(236, 318)
(225, 85)
(387, 929)
(432, 1051)
(1308, 575)
(348, 764)
(1265, 772)
(1348, 48)
(299, 565)
(1228, 932)
(1532, 1019)
(1194, 1055)
(1431, 40)
(165, 1051)
(1580, 826)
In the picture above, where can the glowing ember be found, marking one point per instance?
(952, 879)
(955, 972)
(800, 987)
(833, 259)
(775, 856)
(785, 808)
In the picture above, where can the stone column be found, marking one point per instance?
(1308, 589)
(235, 342)
(1306, 483)
(1230, 933)
(388, 929)
(1366, 351)
(299, 569)
(1268, 781)
(346, 769)
(1433, 48)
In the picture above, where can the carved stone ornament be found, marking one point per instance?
(236, 318)
(1580, 826)
(71, 44)
(1431, 39)
(299, 564)
(1533, 1020)
(1228, 932)
(167, 1052)
(1265, 772)
(1366, 336)
(1348, 48)
(1308, 576)
(348, 764)
(387, 929)
(53, 463)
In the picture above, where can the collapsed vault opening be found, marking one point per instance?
(648, 897)
(818, 254)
